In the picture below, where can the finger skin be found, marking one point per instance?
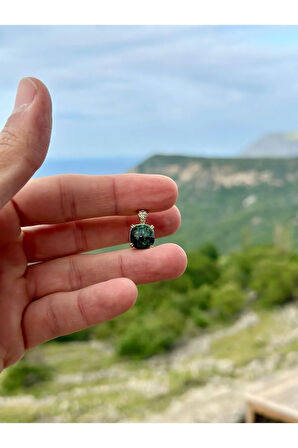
(71, 197)
(24, 140)
(64, 313)
(52, 241)
(164, 262)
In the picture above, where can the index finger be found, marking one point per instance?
(71, 197)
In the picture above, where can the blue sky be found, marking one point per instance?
(136, 91)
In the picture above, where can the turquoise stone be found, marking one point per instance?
(142, 236)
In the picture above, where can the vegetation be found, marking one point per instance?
(24, 376)
(213, 292)
(82, 377)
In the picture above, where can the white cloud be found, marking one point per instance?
(207, 89)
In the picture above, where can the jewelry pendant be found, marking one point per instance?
(141, 235)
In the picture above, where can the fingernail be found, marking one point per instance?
(25, 95)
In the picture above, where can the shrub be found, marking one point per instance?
(204, 297)
(239, 267)
(181, 284)
(227, 300)
(201, 269)
(210, 250)
(152, 334)
(275, 281)
(23, 376)
(200, 318)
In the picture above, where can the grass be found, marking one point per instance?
(76, 357)
(247, 344)
(91, 383)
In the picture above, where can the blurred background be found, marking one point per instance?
(215, 108)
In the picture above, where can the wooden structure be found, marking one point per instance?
(276, 401)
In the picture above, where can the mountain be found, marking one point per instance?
(274, 145)
(232, 202)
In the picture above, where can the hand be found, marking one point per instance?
(52, 220)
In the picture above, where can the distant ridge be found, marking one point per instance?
(276, 145)
(233, 201)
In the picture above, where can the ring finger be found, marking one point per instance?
(52, 241)
(78, 271)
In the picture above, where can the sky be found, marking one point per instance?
(141, 90)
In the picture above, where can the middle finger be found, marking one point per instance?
(78, 271)
(52, 241)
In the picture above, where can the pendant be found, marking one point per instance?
(141, 235)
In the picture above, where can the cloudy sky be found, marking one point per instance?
(142, 90)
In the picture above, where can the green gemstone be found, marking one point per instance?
(142, 236)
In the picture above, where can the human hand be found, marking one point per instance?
(52, 220)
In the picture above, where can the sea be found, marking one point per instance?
(106, 165)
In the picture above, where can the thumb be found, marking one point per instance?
(25, 138)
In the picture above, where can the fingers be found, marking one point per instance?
(78, 271)
(52, 241)
(64, 313)
(73, 197)
(25, 138)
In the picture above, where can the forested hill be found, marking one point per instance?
(233, 202)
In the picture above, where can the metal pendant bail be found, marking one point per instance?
(142, 216)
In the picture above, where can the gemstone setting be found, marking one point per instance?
(141, 236)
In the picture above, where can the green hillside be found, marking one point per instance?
(233, 202)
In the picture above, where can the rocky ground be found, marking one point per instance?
(203, 380)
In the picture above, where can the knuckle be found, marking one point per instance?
(115, 196)
(79, 236)
(82, 310)
(74, 275)
(52, 321)
(122, 267)
(68, 204)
